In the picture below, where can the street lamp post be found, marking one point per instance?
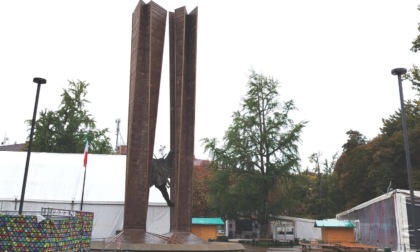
(399, 72)
(39, 81)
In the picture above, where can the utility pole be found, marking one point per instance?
(39, 82)
(399, 72)
(118, 121)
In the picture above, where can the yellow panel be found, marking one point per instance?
(205, 232)
(338, 235)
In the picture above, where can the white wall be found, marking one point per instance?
(55, 180)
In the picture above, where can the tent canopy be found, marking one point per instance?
(59, 177)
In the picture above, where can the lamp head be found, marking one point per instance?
(398, 71)
(40, 80)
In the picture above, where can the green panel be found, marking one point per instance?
(334, 223)
(207, 221)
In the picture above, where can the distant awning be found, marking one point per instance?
(207, 221)
(334, 223)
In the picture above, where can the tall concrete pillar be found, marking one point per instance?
(148, 33)
(183, 54)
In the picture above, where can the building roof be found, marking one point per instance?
(380, 198)
(13, 147)
(334, 223)
(207, 221)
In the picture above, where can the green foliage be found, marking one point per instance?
(355, 139)
(258, 152)
(366, 170)
(317, 193)
(351, 170)
(413, 75)
(416, 42)
(64, 130)
(394, 124)
(299, 191)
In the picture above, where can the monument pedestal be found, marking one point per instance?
(139, 240)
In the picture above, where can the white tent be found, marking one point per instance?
(384, 220)
(56, 180)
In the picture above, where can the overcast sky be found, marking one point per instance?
(333, 58)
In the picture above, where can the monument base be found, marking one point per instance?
(138, 240)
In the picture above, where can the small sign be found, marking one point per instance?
(57, 212)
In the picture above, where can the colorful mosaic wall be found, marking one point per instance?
(25, 233)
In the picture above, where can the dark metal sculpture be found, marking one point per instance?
(161, 172)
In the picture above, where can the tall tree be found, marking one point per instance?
(355, 139)
(352, 168)
(199, 190)
(64, 130)
(368, 168)
(318, 194)
(413, 74)
(259, 150)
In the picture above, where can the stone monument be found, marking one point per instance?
(148, 35)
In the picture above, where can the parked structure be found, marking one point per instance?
(283, 228)
(291, 228)
(385, 221)
(334, 231)
(207, 228)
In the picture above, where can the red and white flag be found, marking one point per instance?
(85, 159)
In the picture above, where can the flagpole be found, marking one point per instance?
(83, 190)
(85, 165)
